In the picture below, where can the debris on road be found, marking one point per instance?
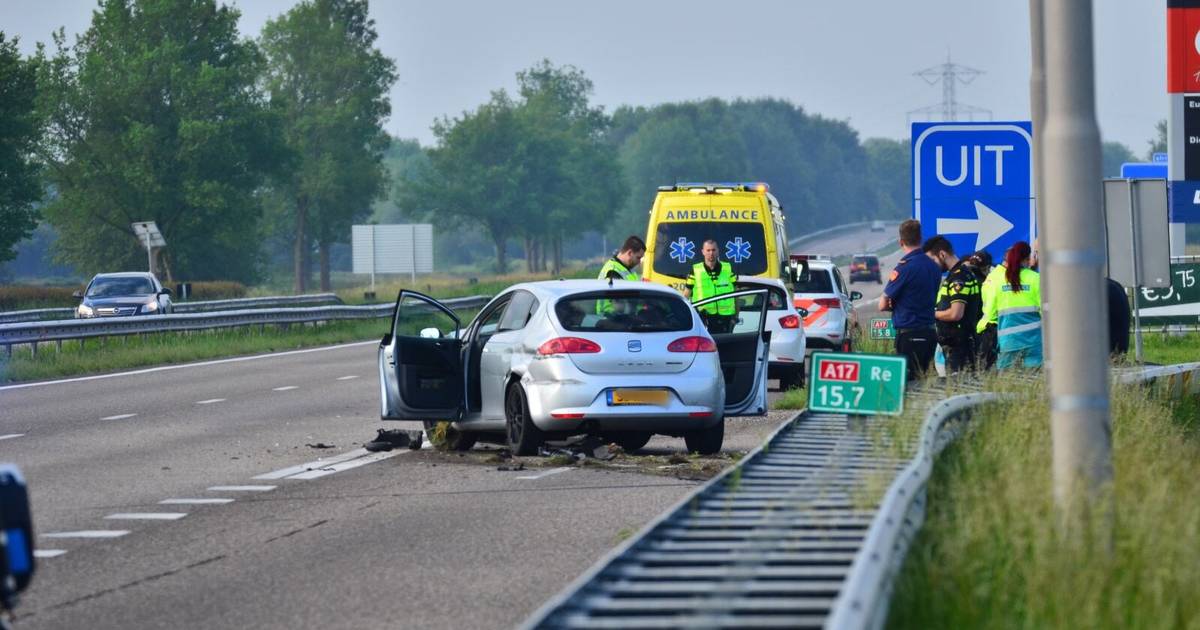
(388, 439)
(321, 445)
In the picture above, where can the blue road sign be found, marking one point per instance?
(973, 183)
(1144, 170)
(1184, 205)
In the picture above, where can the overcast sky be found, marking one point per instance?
(843, 59)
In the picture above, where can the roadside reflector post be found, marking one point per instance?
(1073, 241)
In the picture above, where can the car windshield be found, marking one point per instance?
(117, 287)
(818, 281)
(678, 244)
(624, 311)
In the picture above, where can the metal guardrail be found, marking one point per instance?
(766, 544)
(778, 540)
(313, 299)
(33, 333)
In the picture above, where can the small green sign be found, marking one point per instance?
(881, 328)
(863, 384)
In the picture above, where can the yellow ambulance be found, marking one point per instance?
(745, 220)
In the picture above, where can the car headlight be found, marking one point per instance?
(150, 307)
(84, 311)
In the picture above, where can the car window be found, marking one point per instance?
(489, 322)
(678, 245)
(623, 311)
(749, 312)
(116, 287)
(519, 310)
(818, 281)
(837, 276)
(776, 298)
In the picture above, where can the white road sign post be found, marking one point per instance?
(392, 249)
(1137, 239)
(147, 232)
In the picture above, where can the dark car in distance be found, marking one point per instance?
(123, 294)
(865, 267)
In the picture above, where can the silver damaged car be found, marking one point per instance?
(548, 360)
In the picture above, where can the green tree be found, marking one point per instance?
(889, 170)
(154, 114)
(330, 83)
(537, 167)
(1112, 156)
(20, 181)
(1158, 144)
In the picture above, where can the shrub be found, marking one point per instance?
(216, 290)
(22, 297)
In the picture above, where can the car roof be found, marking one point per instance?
(775, 282)
(124, 274)
(559, 288)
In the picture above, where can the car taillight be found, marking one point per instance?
(692, 344)
(828, 302)
(789, 321)
(569, 345)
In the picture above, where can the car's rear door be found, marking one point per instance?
(420, 361)
(744, 353)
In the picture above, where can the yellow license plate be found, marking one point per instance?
(638, 397)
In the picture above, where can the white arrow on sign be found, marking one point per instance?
(987, 226)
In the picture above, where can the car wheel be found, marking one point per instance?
(444, 437)
(706, 441)
(524, 437)
(792, 379)
(630, 441)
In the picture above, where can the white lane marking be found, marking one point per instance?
(552, 471)
(347, 377)
(240, 488)
(210, 401)
(284, 388)
(164, 368)
(194, 501)
(120, 416)
(339, 467)
(89, 533)
(146, 516)
(11, 436)
(291, 470)
(48, 553)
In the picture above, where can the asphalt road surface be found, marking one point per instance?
(235, 493)
(180, 498)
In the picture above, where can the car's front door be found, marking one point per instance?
(420, 361)
(744, 352)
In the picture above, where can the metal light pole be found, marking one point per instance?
(1037, 109)
(1073, 242)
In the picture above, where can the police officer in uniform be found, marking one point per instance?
(620, 266)
(709, 279)
(911, 294)
(959, 306)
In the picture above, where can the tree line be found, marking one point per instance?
(163, 111)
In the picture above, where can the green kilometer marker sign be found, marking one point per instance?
(882, 328)
(860, 384)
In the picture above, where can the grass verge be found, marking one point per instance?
(992, 556)
(122, 353)
(1166, 349)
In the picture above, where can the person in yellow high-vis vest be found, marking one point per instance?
(709, 279)
(620, 266)
(1017, 308)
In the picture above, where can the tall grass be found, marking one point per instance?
(992, 556)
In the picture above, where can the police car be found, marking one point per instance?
(819, 289)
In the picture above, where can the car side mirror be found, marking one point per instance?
(802, 312)
(430, 333)
(166, 292)
(77, 295)
(855, 296)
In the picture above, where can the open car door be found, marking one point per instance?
(420, 361)
(743, 352)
